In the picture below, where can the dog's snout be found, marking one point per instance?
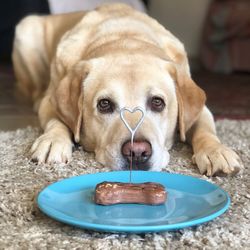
(141, 151)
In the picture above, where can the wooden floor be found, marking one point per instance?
(228, 97)
(14, 113)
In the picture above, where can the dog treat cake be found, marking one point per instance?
(109, 193)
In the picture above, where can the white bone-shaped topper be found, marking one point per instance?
(134, 110)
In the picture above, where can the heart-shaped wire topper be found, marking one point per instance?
(134, 110)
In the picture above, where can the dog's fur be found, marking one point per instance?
(68, 62)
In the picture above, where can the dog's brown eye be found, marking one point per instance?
(156, 104)
(105, 106)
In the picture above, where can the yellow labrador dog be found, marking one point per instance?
(81, 68)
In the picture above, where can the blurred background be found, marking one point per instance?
(216, 35)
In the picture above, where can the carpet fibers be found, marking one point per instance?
(23, 226)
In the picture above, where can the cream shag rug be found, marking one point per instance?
(23, 226)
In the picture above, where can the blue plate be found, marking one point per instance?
(191, 201)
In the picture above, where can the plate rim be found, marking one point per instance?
(131, 229)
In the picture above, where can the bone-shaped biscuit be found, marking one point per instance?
(151, 193)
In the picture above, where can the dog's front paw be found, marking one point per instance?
(217, 159)
(52, 148)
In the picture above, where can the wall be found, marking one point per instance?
(184, 18)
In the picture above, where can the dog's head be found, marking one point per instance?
(90, 96)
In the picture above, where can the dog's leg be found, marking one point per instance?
(31, 65)
(55, 145)
(210, 155)
(35, 43)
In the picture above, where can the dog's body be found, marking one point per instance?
(82, 68)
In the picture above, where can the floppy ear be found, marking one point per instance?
(68, 98)
(191, 99)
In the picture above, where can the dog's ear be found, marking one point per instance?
(191, 98)
(67, 98)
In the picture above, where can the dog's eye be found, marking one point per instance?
(105, 106)
(156, 104)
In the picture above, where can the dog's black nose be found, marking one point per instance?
(141, 151)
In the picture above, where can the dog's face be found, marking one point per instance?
(91, 94)
(129, 81)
